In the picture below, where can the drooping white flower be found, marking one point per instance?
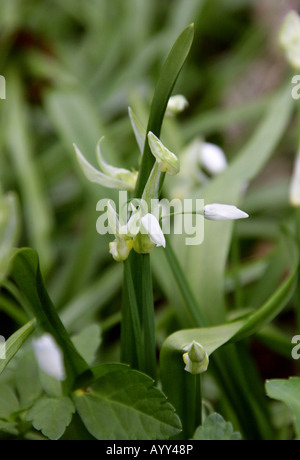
(217, 211)
(289, 38)
(150, 226)
(120, 248)
(212, 158)
(295, 183)
(168, 161)
(195, 358)
(49, 356)
(110, 177)
(176, 105)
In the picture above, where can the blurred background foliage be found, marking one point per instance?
(72, 67)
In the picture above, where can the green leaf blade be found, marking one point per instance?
(124, 405)
(216, 429)
(52, 416)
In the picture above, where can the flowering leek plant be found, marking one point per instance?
(180, 346)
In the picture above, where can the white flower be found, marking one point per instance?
(196, 358)
(212, 158)
(218, 211)
(295, 183)
(120, 248)
(289, 38)
(110, 176)
(176, 104)
(168, 162)
(49, 356)
(150, 226)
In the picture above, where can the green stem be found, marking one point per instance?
(131, 334)
(148, 318)
(183, 285)
(198, 402)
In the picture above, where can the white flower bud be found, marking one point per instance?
(168, 162)
(196, 358)
(176, 104)
(151, 226)
(212, 158)
(49, 356)
(120, 249)
(289, 38)
(218, 211)
(295, 183)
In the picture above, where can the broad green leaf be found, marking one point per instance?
(27, 379)
(8, 427)
(8, 402)
(88, 342)
(287, 391)
(9, 230)
(216, 429)
(205, 265)
(51, 386)
(27, 276)
(14, 343)
(212, 338)
(51, 416)
(124, 405)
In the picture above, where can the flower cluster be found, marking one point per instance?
(140, 230)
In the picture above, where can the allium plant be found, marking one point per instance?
(142, 397)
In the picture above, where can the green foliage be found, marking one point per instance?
(215, 428)
(71, 72)
(51, 416)
(287, 391)
(123, 404)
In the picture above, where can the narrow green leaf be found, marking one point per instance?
(124, 405)
(287, 391)
(14, 343)
(37, 212)
(131, 332)
(204, 265)
(27, 276)
(164, 88)
(87, 342)
(52, 416)
(216, 429)
(9, 230)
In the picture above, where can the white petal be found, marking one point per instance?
(289, 38)
(212, 158)
(152, 227)
(138, 129)
(218, 211)
(113, 220)
(49, 356)
(93, 175)
(177, 104)
(118, 173)
(295, 184)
